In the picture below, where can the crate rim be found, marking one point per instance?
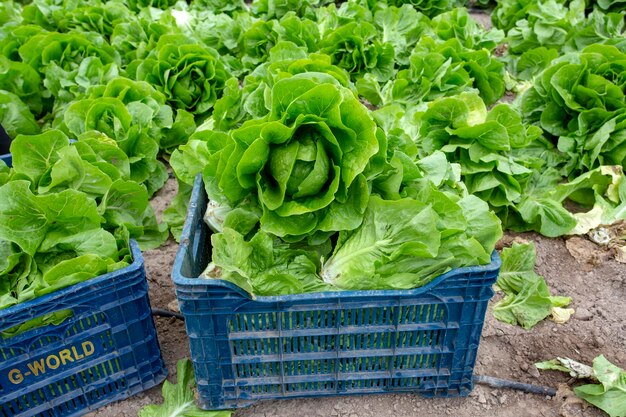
(137, 262)
(182, 281)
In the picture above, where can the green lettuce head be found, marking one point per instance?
(306, 162)
(190, 75)
(70, 63)
(354, 47)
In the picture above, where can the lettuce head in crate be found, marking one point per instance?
(314, 197)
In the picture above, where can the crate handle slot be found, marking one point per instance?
(42, 321)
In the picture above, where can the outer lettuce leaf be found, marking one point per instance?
(34, 155)
(175, 214)
(402, 27)
(179, 399)
(202, 151)
(264, 265)
(15, 116)
(601, 191)
(406, 243)
(610, 396)
(22, 80)
(5, 173)
(527, 298)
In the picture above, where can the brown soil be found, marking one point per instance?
(596, 282)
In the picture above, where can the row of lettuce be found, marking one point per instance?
(353, 146)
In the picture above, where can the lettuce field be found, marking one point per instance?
(343, 146)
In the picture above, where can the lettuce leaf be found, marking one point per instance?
(527, 298)
(179, 398)
(608, 394)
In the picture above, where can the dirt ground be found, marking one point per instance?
(596, 283)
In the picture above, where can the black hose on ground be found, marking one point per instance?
(167, 313)
(519, 386)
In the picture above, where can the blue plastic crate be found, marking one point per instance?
(107, 350)
(331, 343)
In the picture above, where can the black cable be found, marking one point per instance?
(167, 313)
(519, 386)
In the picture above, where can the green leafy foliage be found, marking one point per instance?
(312, 122)
(101, 18)
(580, 102)
(137, 117)
(264, 265)
(437, 70)
(135, 39)
(428, 7)
(457, 24)
(69, 63)
(354, 47)
(67, 213)
(95, 166)
(275, 9)
(20, 79)
(537, 31)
